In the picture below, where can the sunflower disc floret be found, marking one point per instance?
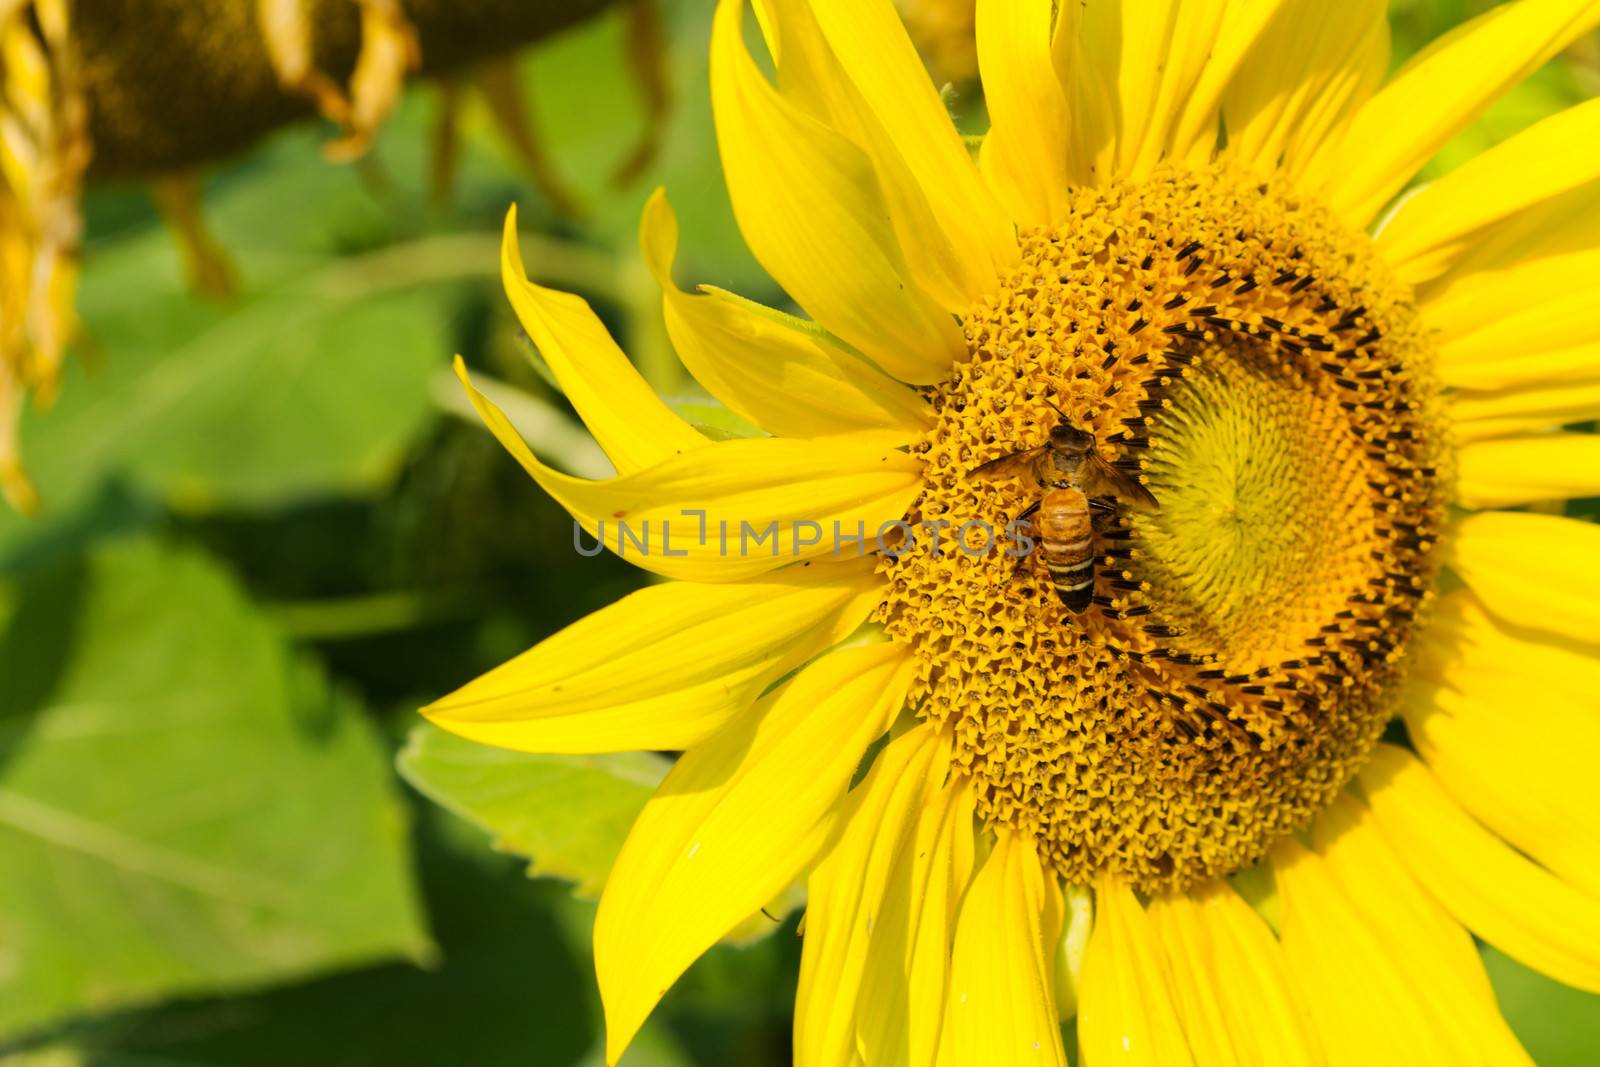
(1252, 363)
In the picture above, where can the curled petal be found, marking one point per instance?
(734, 509)
(810, 207)
(632, 423)
(768, 367)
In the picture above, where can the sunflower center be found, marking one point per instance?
(1249, 362)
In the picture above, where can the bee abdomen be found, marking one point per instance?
(1067, 549)
(1074, 583)
(1067, 545)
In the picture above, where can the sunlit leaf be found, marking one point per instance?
(310, 388)
(510, 977)
(186, 805)
(567, 814)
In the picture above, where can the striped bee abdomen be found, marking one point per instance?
(1066, 543)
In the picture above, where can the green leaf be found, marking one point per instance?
(313, 387)
(567, 814)
(513, 987)
(186, 805)
(1558, 1025)
(589, 142)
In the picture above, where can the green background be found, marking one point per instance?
(270, 535)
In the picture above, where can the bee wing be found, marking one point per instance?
(1105, 480)
(1017, 464)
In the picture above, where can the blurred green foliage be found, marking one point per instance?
(270, 537)
(525, 800)
(186, 804)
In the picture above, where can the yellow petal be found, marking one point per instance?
(1390, 902)
(1001, 1006)
(1519, 755)
(735, 820)
(1543, 403)
(1432, 951)
(1229, 980)
(1509, 426)
(937, 254)
(908, 962)
(630, 422)
(1521, 470)
(1538, 412)
(733, 509)
(1503, 897)
(1126, 1009)
(1077, 924)
(1025, 151)
(1533, 570)
(1134, 66)
(1513, 369)
(809, 205)
(1507, 312)
(1567, 224)
(664, 667)
(1380, 991)
(1194, 135)
(1517, 312)
(1462, 634)
(1478, 415)
(847, 896)
(1536, 376)
(1437, 94)
(767, 367)
(1431, 229)
(1312, 64)
(971, 240)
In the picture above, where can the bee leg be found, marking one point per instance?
(1102, 514)
(1102, 517)
(1022, 526)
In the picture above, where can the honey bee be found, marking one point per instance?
(1079, 484)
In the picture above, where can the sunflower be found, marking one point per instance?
(1331, 704)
